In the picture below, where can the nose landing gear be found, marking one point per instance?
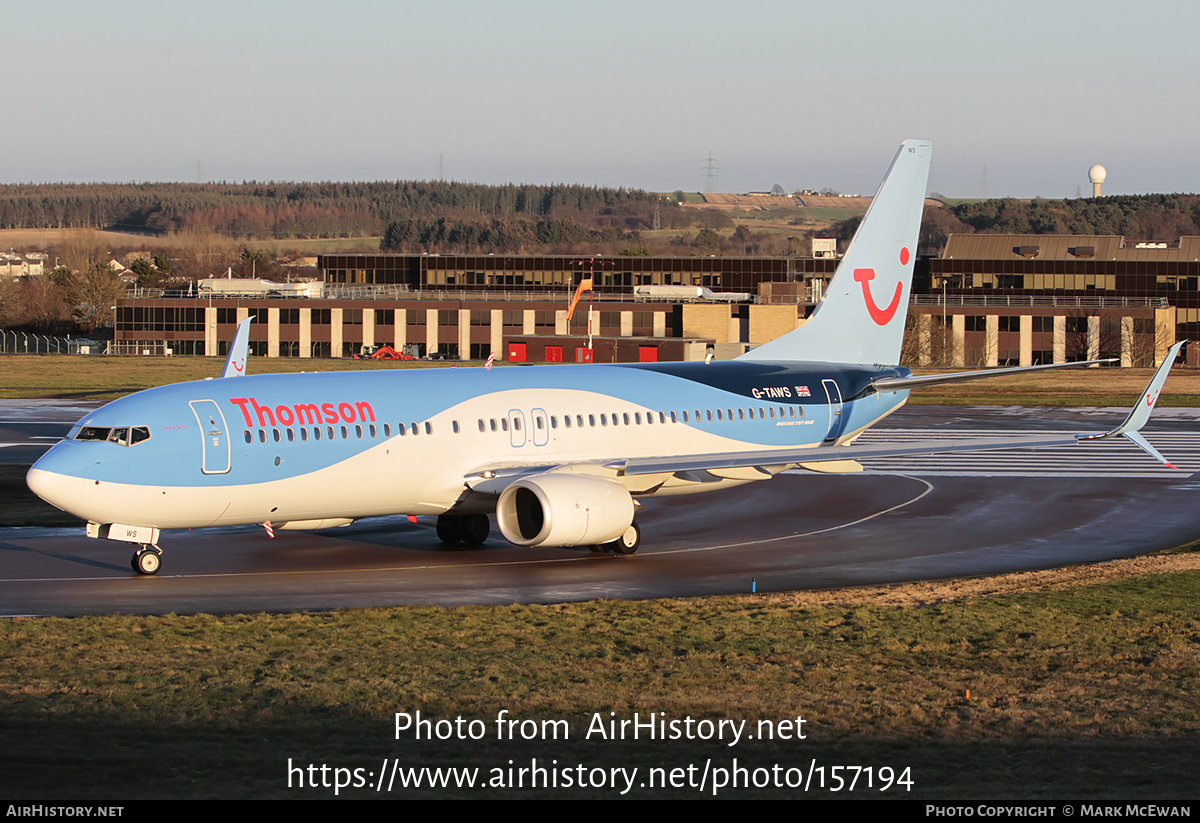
(147, 559)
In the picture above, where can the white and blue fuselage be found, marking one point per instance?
(323, 449)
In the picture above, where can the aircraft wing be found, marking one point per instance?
(820, 454)
(914, 381)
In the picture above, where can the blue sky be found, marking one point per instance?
(807, 95)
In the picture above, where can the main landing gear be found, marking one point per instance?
(627, 543)
(147, 559)
(467, 529)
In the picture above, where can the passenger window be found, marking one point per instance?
(292, 435)
(482, 427)
(387, 429)
(304, 435)
(278, 437)
(262, 435)
(429, 428)
(453, 425)
(249, 438)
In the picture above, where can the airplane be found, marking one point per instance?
(560, 455)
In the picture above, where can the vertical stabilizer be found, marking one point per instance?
(235, 363)
(862, 317)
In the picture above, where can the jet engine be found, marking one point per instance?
(564, 510)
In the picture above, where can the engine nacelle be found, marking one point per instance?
(563, 510)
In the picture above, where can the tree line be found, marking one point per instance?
(304, 210)
(1154, 218)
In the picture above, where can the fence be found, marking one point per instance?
(14, 342)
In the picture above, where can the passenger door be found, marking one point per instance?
(214, 438)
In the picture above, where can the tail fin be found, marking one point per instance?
(862, 317)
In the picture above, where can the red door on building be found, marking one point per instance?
(583, 354)
(554, 354)
(647, 354)
(516, 352)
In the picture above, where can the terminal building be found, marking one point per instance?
(987, 300)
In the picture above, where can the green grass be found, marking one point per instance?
(1088, 692)
(107, 378)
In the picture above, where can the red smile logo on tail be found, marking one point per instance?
(881, 316)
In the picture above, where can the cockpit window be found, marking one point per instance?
(121, 435)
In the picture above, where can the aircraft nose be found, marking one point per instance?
(51, 480)
(54, 488)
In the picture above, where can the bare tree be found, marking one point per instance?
(94, 293)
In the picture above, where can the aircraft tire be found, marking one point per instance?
(474, 529)
(450, 529)
(147, 560)
(627, 543)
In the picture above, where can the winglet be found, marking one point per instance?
(1140, 413)
(235, 364)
